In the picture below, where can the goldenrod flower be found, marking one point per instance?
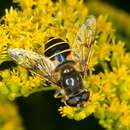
(30, 27)
(9, 117)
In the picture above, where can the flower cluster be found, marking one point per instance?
(120, 18)
(109, 68)
(9, 117)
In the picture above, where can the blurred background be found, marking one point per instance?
(39, 111)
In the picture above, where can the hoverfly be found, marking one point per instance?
(55, 68)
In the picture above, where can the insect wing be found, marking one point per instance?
(83, 43)
(86, 33)
(34, 62)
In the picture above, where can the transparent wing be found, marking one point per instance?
(83, 43)
(34, 62)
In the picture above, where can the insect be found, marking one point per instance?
(56, 68)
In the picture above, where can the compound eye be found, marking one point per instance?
(85, 96)
(73, 101)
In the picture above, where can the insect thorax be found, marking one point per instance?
(70, 78)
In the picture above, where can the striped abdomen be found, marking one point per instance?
(57, 49)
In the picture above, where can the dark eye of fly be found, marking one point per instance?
(79, 99)
(85, 96)
(73, 101)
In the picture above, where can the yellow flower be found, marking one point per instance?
(9, 116)
(108, 76)
(67, 111)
